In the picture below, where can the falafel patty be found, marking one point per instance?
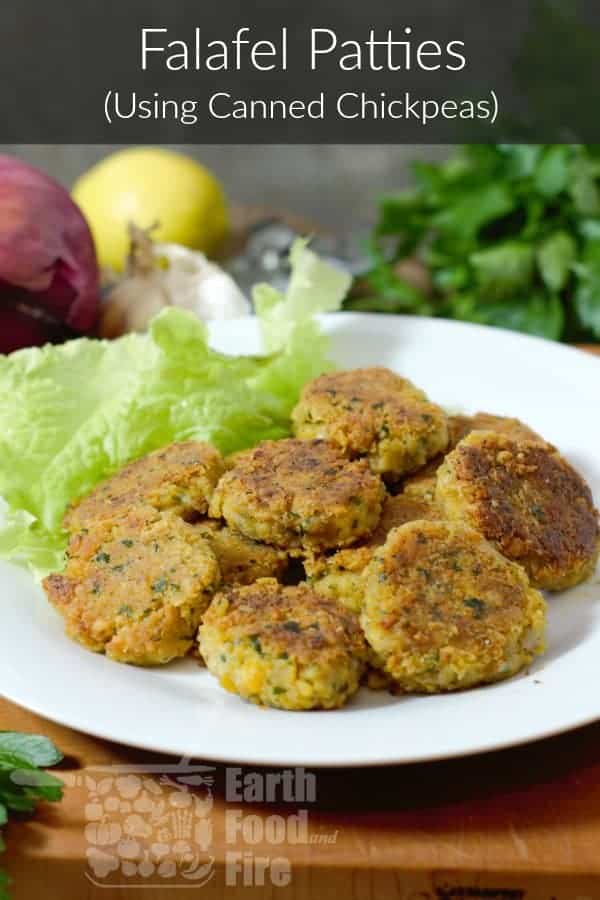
(340, 576)
(460, 426)
(179, 478)
(422, 485)
(136, 587)
(423, 482)
(372, 413)
(241, 560)
(526, 499)
(299, 495)
(279, 646)
(444, 610)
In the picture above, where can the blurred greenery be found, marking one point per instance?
(505, 234)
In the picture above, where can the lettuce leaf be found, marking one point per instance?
(71, 415)
(314, 287)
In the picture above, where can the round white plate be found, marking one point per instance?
(181, 709)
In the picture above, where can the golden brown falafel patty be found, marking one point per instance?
(444, 610)
(339, 576)
(286, 647)
(526, 499)
(299, 495)
(135, 587)
(241, 560)
(372, 413)
(460, 426)
(179, 478)
(423, 482)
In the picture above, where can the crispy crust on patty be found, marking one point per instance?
(526, 499)
(180, 478)
(444, 610)
(372, 413)
(286, 647)
(460, 426)
(339, 576)
(241, 560)
(299, 495)
(135, 587)
(423, 482)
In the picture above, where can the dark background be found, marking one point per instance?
(57, 60)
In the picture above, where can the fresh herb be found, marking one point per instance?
(127, 542)
(432, 661)
(477, 605)
(103, 557)
(22, 779)
(292, 626)
(503, 234)
(254, 640)
(159, 586)
(538, 512)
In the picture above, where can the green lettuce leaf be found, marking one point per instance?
(71, 415)
(314, 287)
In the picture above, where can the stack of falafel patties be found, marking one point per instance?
(423, 541)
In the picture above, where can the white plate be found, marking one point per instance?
(181, 709)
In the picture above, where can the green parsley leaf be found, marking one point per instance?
(478, 606)
(37, 750)
(555, 256)
(504, 234)
(503, 269)
(22, 782)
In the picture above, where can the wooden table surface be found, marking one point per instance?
(519, 823)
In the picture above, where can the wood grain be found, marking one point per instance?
(524, 818)
(518, 823)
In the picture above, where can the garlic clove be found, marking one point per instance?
(195, 283)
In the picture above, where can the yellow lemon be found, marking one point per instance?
(148, 185)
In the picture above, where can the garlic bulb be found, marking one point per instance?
(199, 284)
(159, 275)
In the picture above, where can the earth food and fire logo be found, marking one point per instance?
(152, 825)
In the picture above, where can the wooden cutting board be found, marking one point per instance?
(519, 824)
(508, 825)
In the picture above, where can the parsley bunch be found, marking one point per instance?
(22, 780)
(506, 234)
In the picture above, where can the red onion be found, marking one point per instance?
(47, 259)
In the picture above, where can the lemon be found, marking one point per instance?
(148, 185)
